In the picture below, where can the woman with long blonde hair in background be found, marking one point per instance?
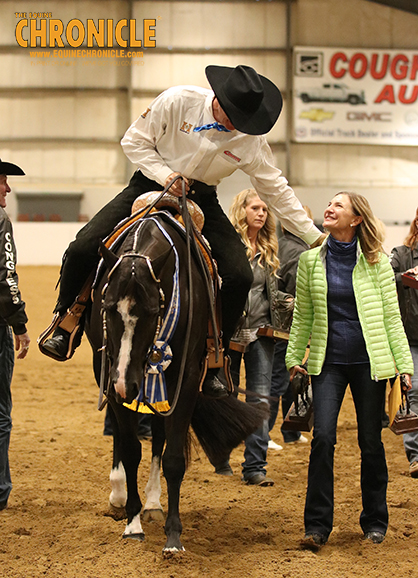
(257, 228)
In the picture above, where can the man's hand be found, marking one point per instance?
(177, 187)
(22, 345)
(319, 240)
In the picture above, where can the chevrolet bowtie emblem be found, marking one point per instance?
(316, 114)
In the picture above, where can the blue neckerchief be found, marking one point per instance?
(219, 127)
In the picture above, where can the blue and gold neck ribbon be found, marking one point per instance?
(154, 384)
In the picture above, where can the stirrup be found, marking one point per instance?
(70, 322)
(225, 361)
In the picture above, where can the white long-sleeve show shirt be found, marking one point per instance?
(161, 141)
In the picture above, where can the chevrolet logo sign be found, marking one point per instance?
(316, 115)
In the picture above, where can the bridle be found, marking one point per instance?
(104, 348)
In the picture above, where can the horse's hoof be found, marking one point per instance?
(116, 513)
(173, 552)
(224, 469)
(140, 536)
(153, 515)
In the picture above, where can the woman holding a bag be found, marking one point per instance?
(404, 259)
(346, 303)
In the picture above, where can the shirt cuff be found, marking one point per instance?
(19, 329)
(312, 235)
(162, 174)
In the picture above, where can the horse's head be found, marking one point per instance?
(133, 305)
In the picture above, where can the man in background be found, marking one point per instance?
(13, 321)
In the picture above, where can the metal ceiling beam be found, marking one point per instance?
(406, 5)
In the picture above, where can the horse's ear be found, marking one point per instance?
(108, 256)
(159, 262)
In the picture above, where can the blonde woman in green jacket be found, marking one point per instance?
(346, 303)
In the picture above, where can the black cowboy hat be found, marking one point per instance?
(251, 101)
(10, 169)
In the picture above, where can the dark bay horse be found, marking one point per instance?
(143, 278)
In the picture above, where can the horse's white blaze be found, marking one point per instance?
(153, 487)
(118, 495)
(134, 528)
(129, 321)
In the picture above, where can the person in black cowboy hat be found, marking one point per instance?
(204, 136)
(13, 320)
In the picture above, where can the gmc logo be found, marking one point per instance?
(377, 116)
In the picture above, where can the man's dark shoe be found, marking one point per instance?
(375, 537)
(3, 504)
(259, 480)
(313, 541)
(58, 344)
(213, 387)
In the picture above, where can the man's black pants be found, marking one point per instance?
(228, 250)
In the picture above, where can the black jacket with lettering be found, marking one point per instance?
(12, 308)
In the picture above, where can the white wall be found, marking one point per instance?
(43, 243)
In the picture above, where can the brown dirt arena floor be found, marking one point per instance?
(57, 523)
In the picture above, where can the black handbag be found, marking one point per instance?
(300, 415)
(405, 421)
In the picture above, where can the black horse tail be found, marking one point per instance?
(222, 424)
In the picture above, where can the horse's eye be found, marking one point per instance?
(110, 306)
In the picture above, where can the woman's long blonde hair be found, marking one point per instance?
(370, 231)
(266, 241)
(412, 238)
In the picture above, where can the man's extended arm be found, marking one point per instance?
(274, 190)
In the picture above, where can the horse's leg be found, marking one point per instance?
(174, 467)
(117, 477)
(130, 454)
(153, 509)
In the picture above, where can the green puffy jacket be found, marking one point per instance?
(378, 311)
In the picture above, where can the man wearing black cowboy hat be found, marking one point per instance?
(204, 136)
(12, 321)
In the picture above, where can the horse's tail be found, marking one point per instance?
(222, 424)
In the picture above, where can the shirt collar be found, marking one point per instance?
(207, 110)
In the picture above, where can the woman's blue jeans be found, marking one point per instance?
(328, 392)
(410, 440)
(6, 371)
(258, 361)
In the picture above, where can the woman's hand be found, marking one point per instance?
(296, 369)
(177, 187)
(413, 271)
(406, 382)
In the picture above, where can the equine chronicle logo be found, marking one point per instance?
(41, 30)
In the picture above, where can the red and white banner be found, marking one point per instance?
(355, 96)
